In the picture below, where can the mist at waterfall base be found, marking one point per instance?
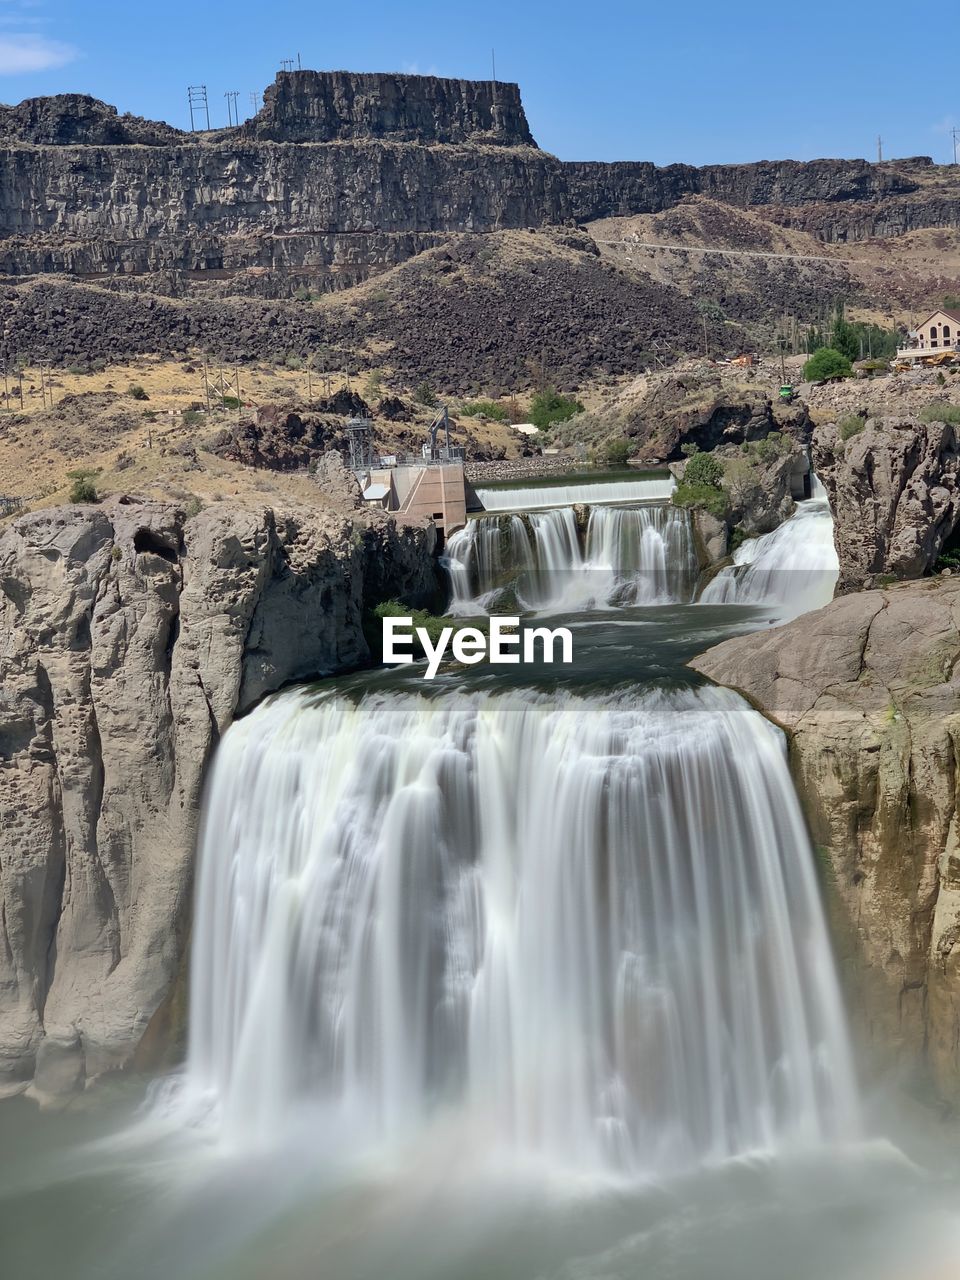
(522, 974)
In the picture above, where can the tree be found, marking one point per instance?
(83, 489)
(548, 407)
(617, 452)
(826, 362)
(703, 468)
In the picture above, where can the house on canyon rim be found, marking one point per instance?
(939, 334)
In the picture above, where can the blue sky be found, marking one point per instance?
(697, 83)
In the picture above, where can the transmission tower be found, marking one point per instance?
(197, 98)
(956, 134)
(233, 115)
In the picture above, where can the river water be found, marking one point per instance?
(522, 973)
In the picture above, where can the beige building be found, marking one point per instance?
(939, 333)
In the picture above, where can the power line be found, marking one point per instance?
(197, 98)
(256, 100)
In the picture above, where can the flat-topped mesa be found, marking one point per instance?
(335, 106)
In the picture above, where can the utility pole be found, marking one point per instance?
(879, 149)
(197, 100)
(493, 64)
(233, 114)
(255, 101)
(956, 134)
(286, 64)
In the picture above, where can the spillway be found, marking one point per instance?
(539, 497)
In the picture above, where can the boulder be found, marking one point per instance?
(895, 495)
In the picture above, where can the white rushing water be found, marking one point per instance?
(626, 555)
(590, 926)
(656, 489)
(793, 569)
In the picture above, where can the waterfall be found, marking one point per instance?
(627, 555)
(652, 489)
(589, 927)
(793, 569)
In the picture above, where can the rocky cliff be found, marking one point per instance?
(894, 488)
(130, 636)
(868, 690)
(340, 170)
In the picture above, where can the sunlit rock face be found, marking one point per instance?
(868, 691)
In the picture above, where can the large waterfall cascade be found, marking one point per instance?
(587, 926)
(590, 925)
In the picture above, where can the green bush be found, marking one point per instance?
(549, 407)
(850, 426)
(940, 413)
(616, 453)
(230, 402)
(83, 489)
(703, 469)
(426, 395)
(137, 392)
(705, 496)
(293, 361)
(827, 363)
(772, 446)
(688, 448)
(421, 618)
(486, 408)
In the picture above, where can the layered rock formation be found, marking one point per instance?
(894, 487)
(331, 106)
(868, 690)
(129, 638)
(338, 170)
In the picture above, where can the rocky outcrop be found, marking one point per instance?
(334, 106)
(129, 639)
(868, 690)
(894, 487)
(70, 119)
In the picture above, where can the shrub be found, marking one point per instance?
(772, 446)
(191, 417)
(293, 361)
(704, 496)
(548, 407)
(688, 448)
(486, 408)
(137, 392)
(616, 452)
(426, 395)
(850, 426)
(230, 402)
(703, 469)
(940, 413)
(827, 363)
(83, 489)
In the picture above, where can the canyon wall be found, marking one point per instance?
(130, 637)
(341, 175)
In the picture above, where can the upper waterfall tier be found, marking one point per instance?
(547, 560)
(793, 569)
(590, 927)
